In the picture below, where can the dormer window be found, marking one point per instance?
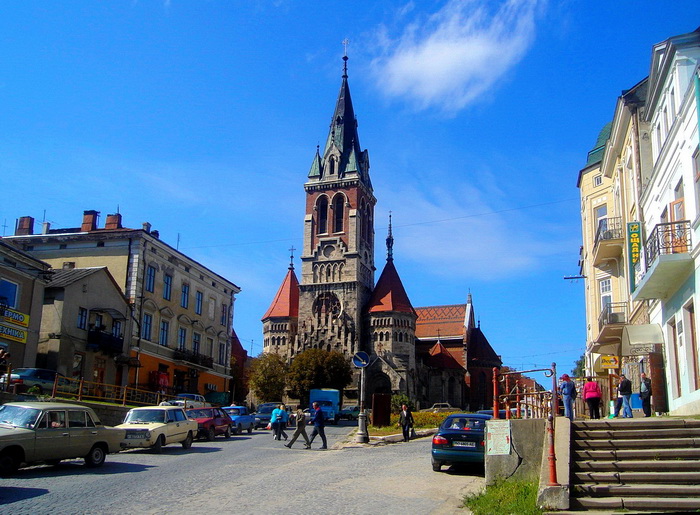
(331, 166)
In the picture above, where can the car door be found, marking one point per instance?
(52, 436)
(175, 427)
(82, 432)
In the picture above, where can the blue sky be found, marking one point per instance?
(203, 117)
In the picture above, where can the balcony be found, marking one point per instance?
(193, 358)
(668, 261)
(106, 342)
(612, 319)
(609, 240)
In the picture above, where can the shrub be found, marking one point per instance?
(505, 497)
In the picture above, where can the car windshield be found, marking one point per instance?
(189, 396)
(18, 416)
(199, 413)
(232, 411)
(266, 409)
(464, 423)
(145, 416)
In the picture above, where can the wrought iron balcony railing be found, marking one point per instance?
(105, 341)
(613, 314)
(609, 229)
(193, 357)
(667, 238)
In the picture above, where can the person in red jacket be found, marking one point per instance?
(592, 396)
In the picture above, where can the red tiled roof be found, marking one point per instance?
(286, 302)
(448, 320)
(440, 357)
(389, 293)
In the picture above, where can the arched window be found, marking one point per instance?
(331, 165)
(322, 216)
(362, 220)
(338, 213)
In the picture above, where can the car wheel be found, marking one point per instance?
(239, 429)
(211, 433)
(187, 442)
(96, 456)
(436, 465)
(250, 429)
(227, 433)
(158, 446)
(8, 464)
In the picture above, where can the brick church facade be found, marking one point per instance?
(432, 354)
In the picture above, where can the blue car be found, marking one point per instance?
(460, 439)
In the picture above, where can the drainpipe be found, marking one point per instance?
(697, 98)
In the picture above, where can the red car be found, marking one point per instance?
(211, 421)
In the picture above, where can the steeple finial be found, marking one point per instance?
(346, 42)
(291, 258)
(390, 243)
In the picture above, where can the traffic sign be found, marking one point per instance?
(360, 359)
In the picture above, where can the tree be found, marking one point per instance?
(317, 368)
(268, 376)
(399, 400)
(579, 367)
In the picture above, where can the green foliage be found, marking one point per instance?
(268, 376)
(505, 497)
(34, 390)
(399, 400)
(579, 369)
(317, 368)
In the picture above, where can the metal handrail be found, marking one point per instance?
(609, 229)
(668, 238)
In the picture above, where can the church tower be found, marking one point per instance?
(338, 254)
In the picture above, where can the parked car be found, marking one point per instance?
(26, 378)
(241, 419)
(48, 432)
(440, 407)
(157, 426)
(264, 413)
(211, 422)
(188, 400)
(349, 413)
(460, 439)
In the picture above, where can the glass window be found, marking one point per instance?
(199, 299)
(597, 180)
(185, 296)
(8, 293)
(82, 318)
(76, 419)
(224, 314)
(117, 329)
(605, 286)
(182, 338)
(167, 286)
(164, 330)
(322, 218)
(222, 354)
(146, 326)
(196, 342)
(338, 213)
(150, 278)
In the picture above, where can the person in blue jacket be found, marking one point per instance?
(278, 420)
(319, 424)
(567, 390)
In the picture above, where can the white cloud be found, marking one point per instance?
(450, 58)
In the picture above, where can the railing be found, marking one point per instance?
(667, 238)
(193, 357)
(613, 313)
(92, 390)
(105, 341)
(543, 399)
(609, 229)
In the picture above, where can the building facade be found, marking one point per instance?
(182, 312)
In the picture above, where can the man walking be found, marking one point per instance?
(406, 422)
(319, 424)
(625, 389)
(645, 394)
(300, 430)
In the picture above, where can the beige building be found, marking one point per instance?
(182, 312)
(22, 280)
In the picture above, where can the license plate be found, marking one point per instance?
(464, 444)
(135, 436)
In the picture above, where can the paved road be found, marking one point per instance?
(248, 473)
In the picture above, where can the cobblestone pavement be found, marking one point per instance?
(249, 473)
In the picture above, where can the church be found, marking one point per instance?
(431, 354)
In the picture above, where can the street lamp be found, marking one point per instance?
(361, 360)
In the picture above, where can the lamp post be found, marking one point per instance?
(361, 360)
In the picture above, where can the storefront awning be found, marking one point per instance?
(636, 340)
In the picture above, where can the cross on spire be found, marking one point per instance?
(291, 258)
(390, 243)
(346, 42)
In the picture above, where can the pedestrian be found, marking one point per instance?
(300, 430)
(645, 394)
(319, 424)
(567, 390)
(406, 422)
(278, 420)
(625, 390)
(592, 395)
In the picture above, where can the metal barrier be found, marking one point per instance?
(91, 390)
(546, 402)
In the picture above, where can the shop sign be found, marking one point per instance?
(610, 362)
(11, 316)
(13, 333)
(634, 242)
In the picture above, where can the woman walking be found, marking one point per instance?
(278, 419)
(592, 395)
(300, 430)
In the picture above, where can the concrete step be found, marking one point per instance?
(658, 478)
(650, 504)
(637, 465)
(651, 443)
(626, 434)
(635, 423)
(692, 453)
(635, 490)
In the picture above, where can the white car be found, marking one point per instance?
(188, 400)
(157, 426)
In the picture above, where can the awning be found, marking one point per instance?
(114, 313)
(641, 339)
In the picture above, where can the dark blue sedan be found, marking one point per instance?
(460, 439)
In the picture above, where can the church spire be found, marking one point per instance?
(389, 243)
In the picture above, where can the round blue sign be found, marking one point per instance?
(360, 359)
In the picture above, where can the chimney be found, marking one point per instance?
(25, 226)
(146, 227)
(114, 221)
(89, 220)
(155, 234)
(45, 227)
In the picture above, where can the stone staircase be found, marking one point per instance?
(642, 464)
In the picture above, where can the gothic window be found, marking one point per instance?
(338, 213)
(322, 208)
(362, 220)
(331, 165)
(401, 337)
(326, 305)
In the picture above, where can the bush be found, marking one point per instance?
(399, 400)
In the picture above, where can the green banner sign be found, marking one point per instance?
(634, 247)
